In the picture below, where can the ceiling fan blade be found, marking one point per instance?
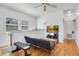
(52, 5)
(38, 6)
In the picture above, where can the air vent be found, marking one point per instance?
(69, 35)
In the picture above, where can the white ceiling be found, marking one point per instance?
(29, 8)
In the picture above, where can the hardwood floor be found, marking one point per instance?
(68, 48)
(59, 51)
(38, 52)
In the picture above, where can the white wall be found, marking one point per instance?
(5, 12)
(55, 18)
(77, 27)
(77, 31)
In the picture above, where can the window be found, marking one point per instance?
(11, 24)
(24, 25)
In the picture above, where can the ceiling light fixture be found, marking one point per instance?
(45, 6)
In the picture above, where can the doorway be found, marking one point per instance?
(69, 29)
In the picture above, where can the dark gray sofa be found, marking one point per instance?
(40, 43)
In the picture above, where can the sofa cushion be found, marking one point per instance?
(38, 42)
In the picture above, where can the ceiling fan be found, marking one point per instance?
(45, 6)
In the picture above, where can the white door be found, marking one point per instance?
(69, 29)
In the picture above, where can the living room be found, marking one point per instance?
(54, 22)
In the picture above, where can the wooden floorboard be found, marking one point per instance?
(70, 48)
(67, 48)
(59, 51)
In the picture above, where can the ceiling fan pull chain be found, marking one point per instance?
(44, 8)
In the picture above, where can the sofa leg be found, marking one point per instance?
(52, 52)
